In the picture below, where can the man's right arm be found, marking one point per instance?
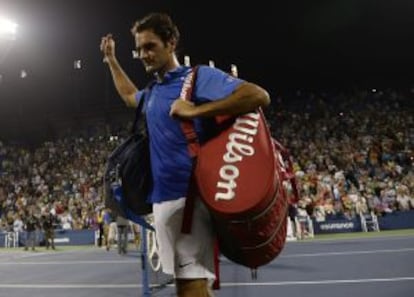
(125, 87)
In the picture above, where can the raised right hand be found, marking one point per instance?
(108, 47)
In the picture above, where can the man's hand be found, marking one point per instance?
(108, 47)
(183, 109)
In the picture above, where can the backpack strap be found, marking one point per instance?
(139, 111)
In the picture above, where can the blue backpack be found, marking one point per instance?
(128, 179)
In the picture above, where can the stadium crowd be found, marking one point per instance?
(352, 153)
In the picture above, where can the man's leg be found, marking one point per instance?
(106, 239)
(47, 243)
(33, 238)
(101, 231)
(52, 238)
(27, 241)
(189, 257)
(137, 238)
(125, 239)
(121, 240)
(193, 288)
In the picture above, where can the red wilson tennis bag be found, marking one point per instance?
(239, 176)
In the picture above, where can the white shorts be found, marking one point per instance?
(186, 256)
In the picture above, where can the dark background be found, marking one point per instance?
(281, 45)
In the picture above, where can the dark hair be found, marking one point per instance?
(160, 23)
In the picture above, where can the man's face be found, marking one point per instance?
(152, 51)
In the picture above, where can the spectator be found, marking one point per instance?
(31, 225)
(122, 225)
(48, 224)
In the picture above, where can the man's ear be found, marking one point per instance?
(172, 44)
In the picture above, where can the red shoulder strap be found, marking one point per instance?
(188, 125)
(193, 145)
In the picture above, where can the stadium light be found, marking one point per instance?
(77, 64)
(8, 29)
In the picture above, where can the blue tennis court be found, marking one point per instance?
(380, 267)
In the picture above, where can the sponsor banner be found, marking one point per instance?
(337, 226)
(397, 220)
(389, 221)
(62, 237)
(74, 237)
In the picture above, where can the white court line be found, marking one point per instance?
(384, 238)
(349, 253)
(323, 282)
(69, 262)
(224, 284)
(134, 261)
(28, 254)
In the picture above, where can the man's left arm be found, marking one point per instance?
(245, 98)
